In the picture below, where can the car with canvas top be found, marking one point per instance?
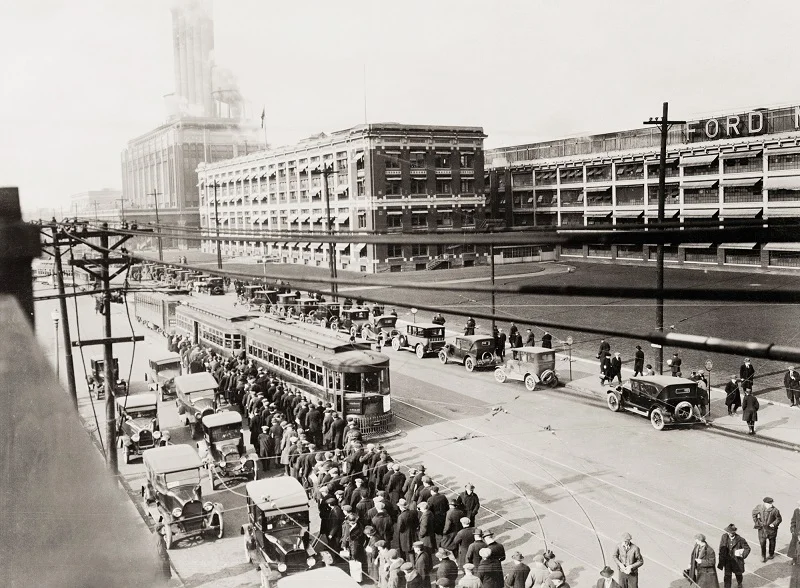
(664, 400)
(531, 365)
(137, 424)
(222, 448)
(473, 351)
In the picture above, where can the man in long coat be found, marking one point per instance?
(733, 549)
(470, 503)
(767, 519)
(327, 434)
(794, 543)
(337, 431)
(616, 368)
(733, 397)
(791, 381)
(638, 361)
(452, 524)
(461, 542)
(747, 372)
(702, 568)
(426, 532)
(405, 530)
(750, 411)
(395, 486)
(473, 551)
(382, 523)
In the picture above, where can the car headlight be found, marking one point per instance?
(156, 434)
(135, 438)
(176, 512)
(222, 463)
(311, 562)
(198, 416)
(208, 506)
(282, 567)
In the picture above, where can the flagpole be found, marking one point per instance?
(264, 126)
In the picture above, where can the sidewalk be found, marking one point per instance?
(778, 424)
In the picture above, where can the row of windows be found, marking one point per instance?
(304, 369)
(394, 186)
(220, 338)
(419, 219)
(691, 255)
(417, 160)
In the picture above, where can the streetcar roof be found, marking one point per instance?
(357, 361)
(137, 400)
(195, 382)
(209, 311)
(280, 493)
(171, 458)
(304, 334)
(220, 419)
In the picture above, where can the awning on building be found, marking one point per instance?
(305, 218)
(782, 183)
(342, 189)
(360, 247)
(393, 178)
(628, 213)
(319, 218)
(782, 212)
(591, 189)
(293, 245)
(294, 219)
(264, 174)
(597, 213)
(668, 214)
(343, 218)
(695, 245)
(318, 246)
(740, 212)
(741, 182)
(738, 245)
(670, 161)
(305, 245)
(741, 154)
(700, 212)
(782, 247)
(256, 219)
(699, 184)
(360, 156)
(280, 244)
(695, 160)
(342, 246)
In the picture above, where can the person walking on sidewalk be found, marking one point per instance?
(792, 383)
(605, 349)
(750, 411)
(794, 544)
(606, 370)
(616, 368)
(746, 374)
(530, 338)
(767, 518)
(629, 559)
(733, 397)
(702, 568)
(733, 549)
(547, 340)
(675, 365)
(638, 362)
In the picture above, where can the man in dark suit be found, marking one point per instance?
(314, 424)
(746, 373)
(547, 340)
(733, 549)
(766, 519)
(791, 382)
(452, 524)
(423, 563)
(438, 506)
(470, 503)
(425, 532)
(638, 361)
(405, 530)
(382, 524)
(702, 567)
(606, 579)
(733, 397)
(616, 368)
(337, 431)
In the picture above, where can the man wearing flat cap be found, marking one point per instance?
(490, 571)
(469, 580)
(628, 559)
(606, 579)
(422, 562)
(516, 577)
(474, 550)
(733, 549)
(452, 523)
(447, 567)
(413, 579)
(405, 530)
(539, 573)
(767, 518)
(461, 542)
(558, 580)
(702, 569)
(470, 503)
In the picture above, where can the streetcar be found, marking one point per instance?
(156, 310)
(212, 326)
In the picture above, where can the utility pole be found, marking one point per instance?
(216, 222)
(155, 196)
(491, 264)
(122, 208)
(663, 123)
(95, 210)
(62, 302)
(325, 170)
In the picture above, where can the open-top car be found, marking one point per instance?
(162, 369)
(532, 365)
(222, 448)
(351, 320)
(473, 351)
(276, 535)
(421, 338)
(665, 400)
(385, 325)
(196, 397)
(173, 495)
(137, 424)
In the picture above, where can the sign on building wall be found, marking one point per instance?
(746, 124)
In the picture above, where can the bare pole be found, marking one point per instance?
(331, 245)
(491, 264)
(108, 356)
(155, 196)
(62, 301)
(216, 221)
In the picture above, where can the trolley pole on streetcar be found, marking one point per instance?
(155, 196)
(663, 123)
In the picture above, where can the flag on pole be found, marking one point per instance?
(263, 114)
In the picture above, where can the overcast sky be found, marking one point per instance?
(81, 78)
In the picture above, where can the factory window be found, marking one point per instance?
(342, 179)
(702, 196)
(392, 159)
(468, 218)
(546, 220)
(598, 173)
(362, 220)
(706, 255)
(445, 219)
(672, 170)
(419, 220)
(630, 171)
(443, 160)
(629, 251)
(630, 195)
(546, 198)
(417, 160)
(394, 188)
(394, 251)
(701, 170)
(784, 258)
(742, 164)
(670, 253)
(522, 180)
(394, 221)
(742, 257)
(572, 198)
(572, 220)
(467, 160)
(571, 176)
(419, 186)
(672, 193)
(467, 186)
(341, 161)
(360, 188)
(784, 196)
(784, 161)
(443, 186)
(545, 177)
(742, 193)
(419, 250)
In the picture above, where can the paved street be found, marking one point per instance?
(552, 466)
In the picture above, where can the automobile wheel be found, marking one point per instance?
(657, 419)
(469, 364)
(683, 411)
(500, 375)
(168, 536)
(354, 331)
(548, 378)
(263, 308)
(614, 401)
(221, 527)
(217, 291)
(487, 357)
(530, 382)
(211, 478)
(420, 350)
(443, 356)
(334, 326)
(396, 343)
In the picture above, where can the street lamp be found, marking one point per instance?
(414, 312)
(568, 344)
(56, 316)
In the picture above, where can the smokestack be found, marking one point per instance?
(193, 46)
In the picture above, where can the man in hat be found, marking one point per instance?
(539, 573)
(469, 580)
(606, 579)
(558, 580)
(616, 368)
(791, 381)
(519, 573)
(490, 571)
(337, 431)
(746, 373)
(422, 562)
(463, 539)
(750, 411)
(628, 559)
(605, 349)
(530, 338)
(702, 569)
(452, 523)
(675, 365)
(638, 363)
(469, 328)
(497, 549)
(405, 530)
(733, 397)
(395, 486)
(767, 518)
(470, 503)
(473, 551)
(447, 567)
(425, 532)
(424, 492)
(383, 523)
(733, 549)
(371, 551)
(394, 569)
(438, 505)
(547, 340)
(438, 319)
(353, 539)
(794, 543)
(413, 579)
(264, 449)
(363, 506)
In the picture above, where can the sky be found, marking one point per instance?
(81, 78)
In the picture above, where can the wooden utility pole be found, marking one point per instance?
(62, 301)
(216, 222)
(155, 196)
(325, 170)
(663, 123)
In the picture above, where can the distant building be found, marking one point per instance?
(102, 204)
(738, 166)
(386, 178)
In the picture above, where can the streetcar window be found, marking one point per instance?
(352, 382)
(372, 382)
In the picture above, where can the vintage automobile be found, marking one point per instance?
(222, 448)
(326, 313)
(96, 381)
(665, 400)
(305, 307)
(532, 365)
(474, 351)
(257, 297)
(422, 338)
(377, 325)
(276, 536)
(351, 320)
(283, 302)
(197, 397)
(173, 495)
(162, 369)
(137, 424)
